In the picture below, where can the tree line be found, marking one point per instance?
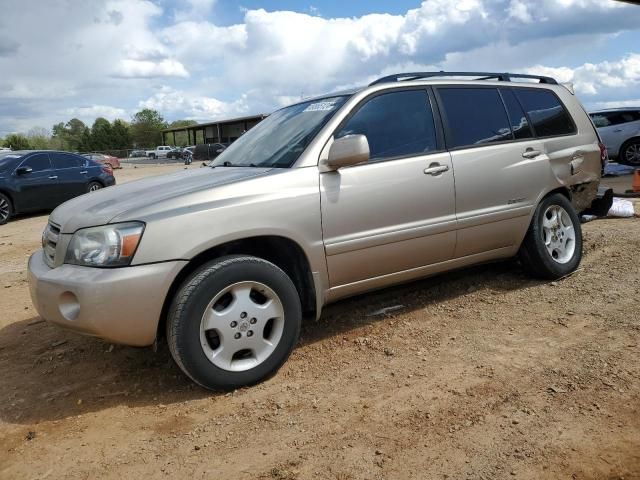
(143, 131)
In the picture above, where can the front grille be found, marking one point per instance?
(50, 242)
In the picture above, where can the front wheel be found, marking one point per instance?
(6, 209)
(234, 322)
(552, 247)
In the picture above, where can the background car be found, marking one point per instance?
(113, 162)
(208, 151)
(137, 153)
(175, 153)
(620, 131)
(33, 180)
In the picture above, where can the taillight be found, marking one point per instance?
(107, 169)
(603, 153)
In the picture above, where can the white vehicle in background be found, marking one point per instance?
(5, 149)
(160, 151)
(619, 129)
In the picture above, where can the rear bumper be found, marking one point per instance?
(120, 305)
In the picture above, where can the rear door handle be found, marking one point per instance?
(530, 153)
(53, 177)
(618, 130)
(83, 172)
(436, 169)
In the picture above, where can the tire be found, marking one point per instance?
(153, 156)
(109, 165)
(93, 186)
(630, 153)
(208, 331)
(6, 209)
(552, 247)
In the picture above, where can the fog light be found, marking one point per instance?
(69, 306)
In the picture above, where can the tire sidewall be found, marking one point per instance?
(621, 155)
(8, 200)
(554, 268)
(199, 294)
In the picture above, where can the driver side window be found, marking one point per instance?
(37, 162)
(396, 124)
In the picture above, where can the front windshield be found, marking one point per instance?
(279, 139)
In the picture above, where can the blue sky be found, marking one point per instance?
(214, 59)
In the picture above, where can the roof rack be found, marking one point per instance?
(502, 77)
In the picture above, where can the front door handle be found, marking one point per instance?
(83, 172)
(436, 169)
(53, 177)
(531, 153)
(618, 130)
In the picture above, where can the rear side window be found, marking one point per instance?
(396, 124)
(519, 123)
(37, 162)
(607, 119)
(474, 116)
(64, 160)
(548, 116)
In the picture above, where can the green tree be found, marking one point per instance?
(146, 128)
(68, 136)
(39, 138)
(17, 141)
(85, 145)
(121, 139)
(101, 134)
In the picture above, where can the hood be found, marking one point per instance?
(103, 206)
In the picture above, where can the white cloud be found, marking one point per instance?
(590, 78)
(147, 68)
(193, 106)
(91, 112)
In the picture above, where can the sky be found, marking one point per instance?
(213, 59)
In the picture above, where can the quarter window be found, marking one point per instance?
(37, 162)
(519, 123)
(396, 124)
(475, 116)
(548, 116)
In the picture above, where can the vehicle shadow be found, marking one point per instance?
(49, 373)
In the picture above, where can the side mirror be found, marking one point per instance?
(348, 150)
(24, 170)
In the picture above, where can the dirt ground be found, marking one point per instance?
(480, 374)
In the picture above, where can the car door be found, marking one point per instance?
(72, 175)
(502, 141)
(395, 212)
(37, 183)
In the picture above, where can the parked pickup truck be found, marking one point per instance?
(160, 151)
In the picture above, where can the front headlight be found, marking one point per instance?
(106, 246)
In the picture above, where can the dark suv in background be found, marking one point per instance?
(32, 180)
(208, 151)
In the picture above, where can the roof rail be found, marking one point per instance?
(502, 77)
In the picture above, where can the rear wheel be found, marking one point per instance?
(6, 209)
(552, 247)
(630, 153)
(234, 322)
(93, 186)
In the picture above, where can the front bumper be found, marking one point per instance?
(120, 305)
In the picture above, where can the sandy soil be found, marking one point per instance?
(482, 374)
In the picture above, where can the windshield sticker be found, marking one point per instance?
(320, 107)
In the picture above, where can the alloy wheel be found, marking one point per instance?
(242, 326)
(558, 234)
(4, 210)
(632, 154)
